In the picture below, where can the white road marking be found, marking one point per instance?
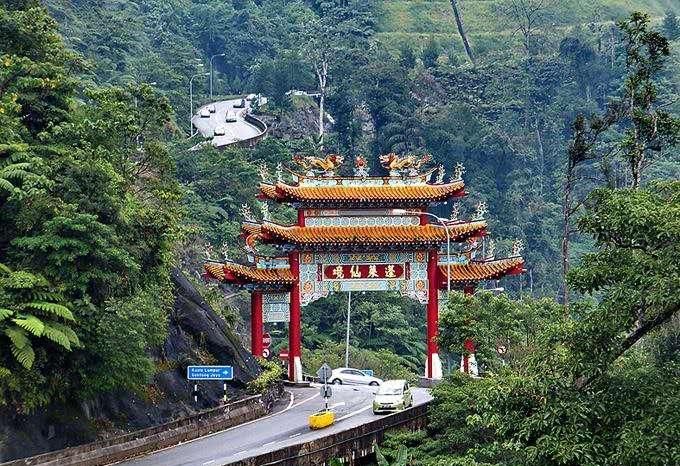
(227, 430)
(209, 462)
(269, 443)
(295, 435)
(342, 403)
(365, 408)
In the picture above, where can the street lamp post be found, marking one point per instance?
(443, 223)
(349, 304)
(211, 72)
(191, 101)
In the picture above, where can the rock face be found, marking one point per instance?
(196, 335)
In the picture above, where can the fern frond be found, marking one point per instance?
(56, 336)
(4, 372)
(6, 185)
(52, 308)
(17, 336)
(31, 324)
(68, 331)
(5, 313)
(5, 269)
(24, 355)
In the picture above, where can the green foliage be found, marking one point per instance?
(87, 197)
(385, 364)
(400, 460)
(671, 25)
(271, 375)
(431, 53)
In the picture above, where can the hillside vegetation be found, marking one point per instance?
(490, 23)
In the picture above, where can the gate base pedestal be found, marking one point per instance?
(436, 372)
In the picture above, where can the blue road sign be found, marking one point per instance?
(368, 372)
(210, 372)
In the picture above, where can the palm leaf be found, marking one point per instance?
(52, 308)
(24, 355)
(31, 324)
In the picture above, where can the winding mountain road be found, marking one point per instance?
(352, 405)
(237, 131)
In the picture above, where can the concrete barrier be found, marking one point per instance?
(158, 437)
(348, 445)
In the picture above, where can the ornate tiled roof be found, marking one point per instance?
(476, 271)
(240, 274)
(424, 235)
(362, 194)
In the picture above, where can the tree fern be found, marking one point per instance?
(52, 308)
(52, 333)
(25, 355)
(5, 313)
(31, 324)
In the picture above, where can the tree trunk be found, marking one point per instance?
(461, 31)
(322, 75)
(566, 234)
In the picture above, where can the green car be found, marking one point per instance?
(393, 395)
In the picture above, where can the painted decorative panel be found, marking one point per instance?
(325, 273)
(276, 307)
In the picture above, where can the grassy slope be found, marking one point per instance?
(415, 21)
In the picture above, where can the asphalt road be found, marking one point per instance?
(287, 427)
(235, 131)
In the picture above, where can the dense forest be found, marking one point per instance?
(563, 113)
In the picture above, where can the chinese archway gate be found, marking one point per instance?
(358, 233)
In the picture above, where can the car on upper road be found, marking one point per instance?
(220, 131)
(393, 395)
(349, 376)
(251, 96)
(211, 108)
(205, 113)
(240, 104)
(231, 117)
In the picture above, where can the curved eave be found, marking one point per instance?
(243, 275)
(336, 236)
(361, 195)
(473, 272)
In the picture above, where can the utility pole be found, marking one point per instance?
(349, 304)
(191, 100)
(211, 72)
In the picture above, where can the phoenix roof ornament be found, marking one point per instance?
(247, 213)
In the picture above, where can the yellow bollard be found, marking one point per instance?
(321, 419)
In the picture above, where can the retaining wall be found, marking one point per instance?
(348, 445)
(158, 437)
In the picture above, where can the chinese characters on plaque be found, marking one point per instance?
(363, 271)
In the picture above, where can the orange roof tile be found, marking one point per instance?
(232, 272)
(363, 235)
(476, 271)
(359, 194)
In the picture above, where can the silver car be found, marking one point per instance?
(349, 376)
(393, 395)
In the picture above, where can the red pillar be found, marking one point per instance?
(294, 331)
(433, 368)
(301, 217)
(424, 218)
(256, 324)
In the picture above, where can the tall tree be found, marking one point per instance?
(461, 31)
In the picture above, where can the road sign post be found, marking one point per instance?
(266, 340)
(324, 373)
(210, 373)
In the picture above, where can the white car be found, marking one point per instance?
(205, 113)
(231, 117)
(220, 131)
(393, 395)
(251, 97)
(211, 108)
(349, 376)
